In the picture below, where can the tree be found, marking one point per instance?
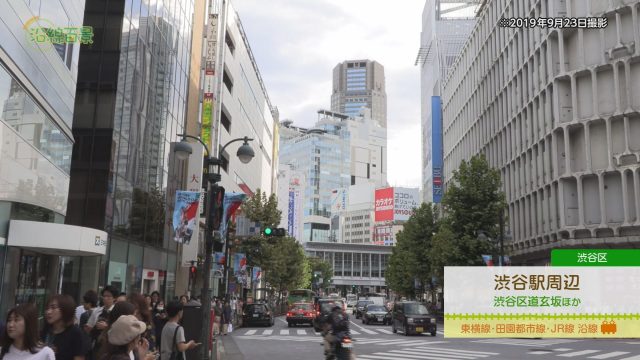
(409, 261)
(324, 268)
(473, 201)
(263, 209)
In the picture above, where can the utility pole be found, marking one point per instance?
(500, 261)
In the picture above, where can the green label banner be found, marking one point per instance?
(595, 257)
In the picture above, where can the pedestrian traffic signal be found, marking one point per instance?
(276, 232)
(193, 271)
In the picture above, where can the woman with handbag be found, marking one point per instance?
(173, 344)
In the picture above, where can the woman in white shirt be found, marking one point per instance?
(21, 339)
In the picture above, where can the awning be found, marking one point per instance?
(57, 239)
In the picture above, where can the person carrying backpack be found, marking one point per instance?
(173, 343)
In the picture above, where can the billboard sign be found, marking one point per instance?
(405, 201)
(384, 204)
(436, 148)
(292, 211)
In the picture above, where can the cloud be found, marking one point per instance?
(297, 43)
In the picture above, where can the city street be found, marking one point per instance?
(377, 342)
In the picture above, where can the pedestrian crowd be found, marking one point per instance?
(119, 327)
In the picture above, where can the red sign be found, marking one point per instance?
(384, 204)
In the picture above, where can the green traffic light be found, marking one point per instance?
(268, 231)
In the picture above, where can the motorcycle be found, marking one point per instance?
(342, 348)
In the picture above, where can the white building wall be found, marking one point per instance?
(556, 111)
(248, 108)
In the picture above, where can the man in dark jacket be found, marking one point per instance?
(226, 316)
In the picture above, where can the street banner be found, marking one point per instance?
(219, 261)
(542, 302)
(185, 215)
(239, 264)
(232, 202)
(257, 274)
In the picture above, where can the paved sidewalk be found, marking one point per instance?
(228, 349)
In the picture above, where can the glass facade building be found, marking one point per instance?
(37, 89)
(130, 104)
(323, 155)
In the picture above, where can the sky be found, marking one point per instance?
(297, 43)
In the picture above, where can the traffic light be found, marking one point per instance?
(193, 270)
(217, 207)
(274, 232)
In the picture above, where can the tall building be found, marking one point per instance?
(556, 111)
(240, 103)
(360, 84)
(38, 74)
(442, 37)
(130, 105)
(338, 152)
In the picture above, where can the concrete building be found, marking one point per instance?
(241, 105)
(353, 264)
(556, 111)
(352, 214)
(41, 256)
(443, 35)
(360, 84)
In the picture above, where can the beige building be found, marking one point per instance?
(359, 84)
(556, 111)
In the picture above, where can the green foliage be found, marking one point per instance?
(285, 264)
(410, 257)
(262, 209)
(473, 201)
(326, 270)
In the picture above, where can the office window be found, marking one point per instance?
(225, 119)
(227, 81)
(229, 41)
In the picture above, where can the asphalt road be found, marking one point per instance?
(377, 342)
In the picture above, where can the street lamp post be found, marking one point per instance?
(245, 154)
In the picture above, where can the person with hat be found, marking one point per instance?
(125, 338)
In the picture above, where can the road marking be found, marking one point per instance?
(525, 342)
(609, 355)
(302, 332)
(435, 355)
(267, 332)
(456, 350)
(283, 321)
(251, 332)
(540, 352)
(366, 331)
(562, 349)
(284, 332)
(381, 357)
(637, 357)
(352, 332)
(578, 353)
(384, 331)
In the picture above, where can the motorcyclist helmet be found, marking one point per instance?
(336, 307)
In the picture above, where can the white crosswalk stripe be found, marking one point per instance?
(384, 331)
(284, 332)
(526, 342)
(353, 332)
(637, 357)
(266, 332)
(579, 353)
(302, 332)
(428, 352)
(251, 332)
(609, 355)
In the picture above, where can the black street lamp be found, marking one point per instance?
(209, 179)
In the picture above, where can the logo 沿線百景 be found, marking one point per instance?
(42, 31)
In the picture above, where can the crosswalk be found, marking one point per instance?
(526, 342)
(566, 353)
(310, 331)
(427, 352)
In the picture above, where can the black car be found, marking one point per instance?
(410, 317)
(257, 314)
(357, 310)
(323, 308)
(373, 313)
